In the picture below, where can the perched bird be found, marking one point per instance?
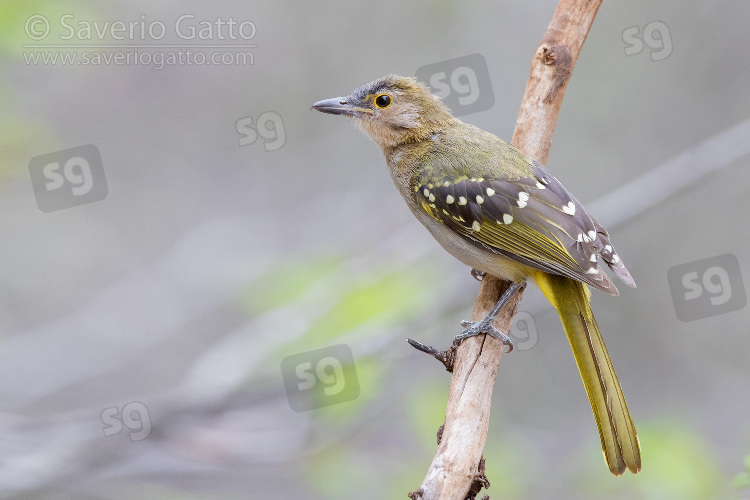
(502, 213)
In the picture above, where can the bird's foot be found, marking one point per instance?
(477, 274)
(472, 328)
(448, 357)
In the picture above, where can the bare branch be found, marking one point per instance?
(456, 466)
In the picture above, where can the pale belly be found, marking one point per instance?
(497, 265)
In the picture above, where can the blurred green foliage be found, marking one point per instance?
(391, 298)
(283, 284)
(370, 374)
(357, 470)
(15, 13)
(678, 463)
(426, 409)
(370, 301)
(21, 137)
(742, 480)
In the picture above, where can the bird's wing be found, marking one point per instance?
(533, 220)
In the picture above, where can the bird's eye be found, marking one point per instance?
(383, 101)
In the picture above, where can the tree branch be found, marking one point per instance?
(456, 465)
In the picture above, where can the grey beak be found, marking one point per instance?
(337, 106)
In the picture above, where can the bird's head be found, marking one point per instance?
(392, 110)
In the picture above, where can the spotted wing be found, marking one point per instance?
(533, 220)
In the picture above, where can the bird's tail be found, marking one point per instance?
(616, 429)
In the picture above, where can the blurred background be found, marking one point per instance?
(205, 287)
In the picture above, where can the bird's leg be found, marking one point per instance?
(477, 274)
(473, 328)
(447, 358)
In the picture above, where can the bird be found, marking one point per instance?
(502, 213)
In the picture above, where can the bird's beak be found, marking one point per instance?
(339, 106)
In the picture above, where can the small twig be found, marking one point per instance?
(446, 357)
(416, 495)
(480, 481)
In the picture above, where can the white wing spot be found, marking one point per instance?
(475, 226)
(432, 197)
(449, 199)
(570, 208)
(490, 191)
(480, 200)
(446, 184)
(461, 200)
(522, 198)
(592, 235)
(416, 188)
(608, 248)
(539, 185)
(615, 258)
(426, 192)
(580, 238)
(592, 270)
(593, 257)
(507, 218)
(586, 238)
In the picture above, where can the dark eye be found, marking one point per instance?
(383, 101)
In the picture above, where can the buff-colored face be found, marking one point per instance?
(390, 109)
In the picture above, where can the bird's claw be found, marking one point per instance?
(477, 274)
(472, 328)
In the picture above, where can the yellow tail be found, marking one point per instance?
(616, 429)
